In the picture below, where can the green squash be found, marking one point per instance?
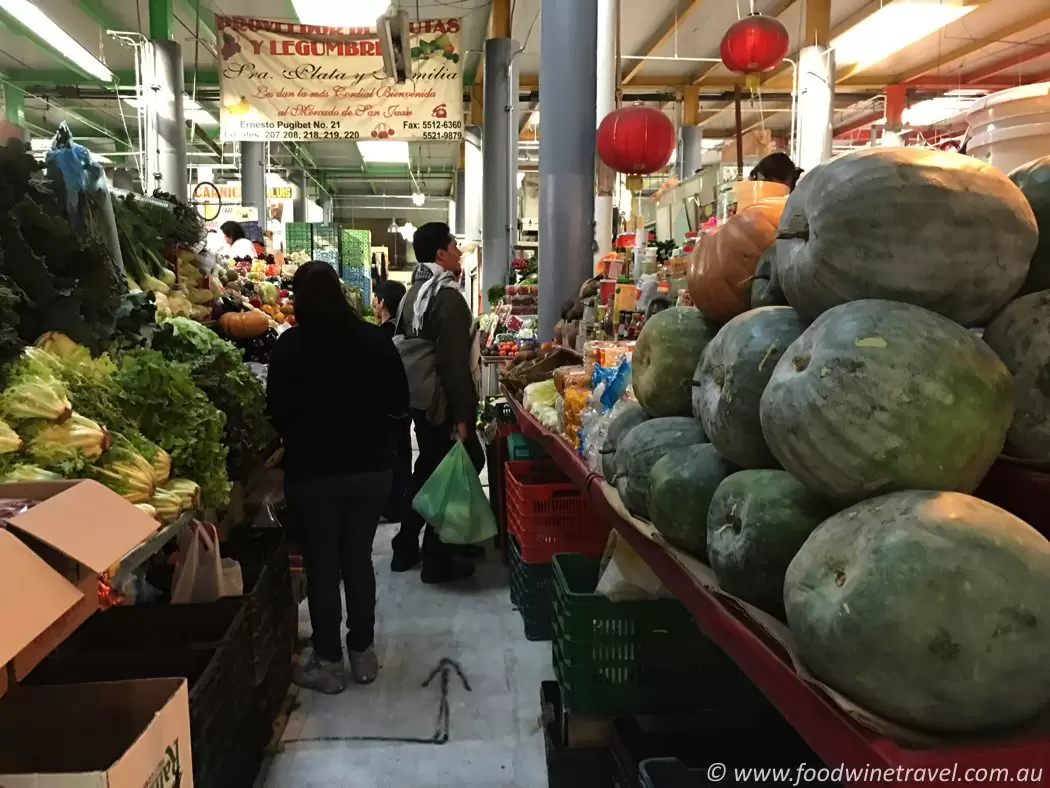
(926, 227)
(639, 450)
(765, 289)
(1020, 335)
(731, 376)
(629, 416)
(930, 609)
(878, 396)
(1033, 179)
(681, 485)
(756, 524)
(665, 357)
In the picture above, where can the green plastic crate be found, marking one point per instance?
(356, 248)
(521, 448)
(633, 657)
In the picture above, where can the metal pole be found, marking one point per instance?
(690, 159)
(299, 210)
(253, 178)
(739, 135)
(166, 123)
(461, 202)
(499, 148)
(608, 82)
(568, 73)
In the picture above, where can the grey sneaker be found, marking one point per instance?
(320, 675)
(364, 665)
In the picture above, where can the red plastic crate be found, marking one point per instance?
(549, 514)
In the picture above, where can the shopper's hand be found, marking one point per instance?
(463, 431)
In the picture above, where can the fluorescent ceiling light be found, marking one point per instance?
(936, 110)
(45, 28)
(383, 151)
(191, 110)
(894, 27)
(418, 198)
(407, 231)
(40, 145)
(354, 13)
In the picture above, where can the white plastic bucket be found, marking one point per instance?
(1026, 105)
(1009, 148)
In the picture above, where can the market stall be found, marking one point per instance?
(805, 459)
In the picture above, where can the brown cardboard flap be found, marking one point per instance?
(32, 596)
(84, 520)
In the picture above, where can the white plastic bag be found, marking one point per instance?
(625, 576)
(201, 573)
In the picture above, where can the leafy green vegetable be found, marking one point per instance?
(174, 413)
(218, 369)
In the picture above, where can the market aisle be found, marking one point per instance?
(494, 735)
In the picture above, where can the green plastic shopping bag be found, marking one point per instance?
(454, 503)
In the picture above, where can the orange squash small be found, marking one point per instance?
(722, 265)
(244, 325)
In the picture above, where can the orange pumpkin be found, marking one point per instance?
(722, 265)
(244, 325)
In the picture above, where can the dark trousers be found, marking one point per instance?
(399, 501)
(337, 519)
(434, 442)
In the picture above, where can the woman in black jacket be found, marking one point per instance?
(336, 389)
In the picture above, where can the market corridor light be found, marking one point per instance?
(894, 27)
(46, 29)
(936, 110)
(355, 13)
(191, 110)
(383, 151)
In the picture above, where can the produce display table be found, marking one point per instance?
(830, 732)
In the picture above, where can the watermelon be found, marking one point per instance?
(731, 376)
(639, 450)
(1033, 179)
(878, 396)
(757, 521)
(765, 290)
(931, 609)
(1020, 335)
(925, 227)
(681, 485)
(665, 357)
(629, 415)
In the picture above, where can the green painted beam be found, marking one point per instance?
(161, 20)
(15, 105)
(69, 76)
(207, 16)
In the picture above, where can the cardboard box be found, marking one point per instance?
(50, 561)
(122, 734)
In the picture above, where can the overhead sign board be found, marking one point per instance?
(304, 83)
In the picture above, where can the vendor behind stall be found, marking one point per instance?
(237, 246)
(778, 168)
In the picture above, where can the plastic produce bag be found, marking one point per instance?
(625, 576)
(454, 503)
(202, 574)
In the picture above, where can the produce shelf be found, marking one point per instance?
(137, 556)
(834, 736)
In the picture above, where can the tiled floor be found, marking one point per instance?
(494, 738)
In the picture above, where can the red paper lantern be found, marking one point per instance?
(755, 44)
(636, 140)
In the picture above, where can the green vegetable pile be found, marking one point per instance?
(219, 370)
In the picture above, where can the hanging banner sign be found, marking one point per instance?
(288, 82)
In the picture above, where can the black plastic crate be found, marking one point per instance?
(672, 773)
(569, 767)
(531, 589)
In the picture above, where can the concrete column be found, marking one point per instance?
(299, 210)
(568, 73)
(165, 122)
(816, 101)
(460, 228)
(690, 151)
(253, 178)
(499, 149)
(605, 102)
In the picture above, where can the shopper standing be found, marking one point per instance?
(386, 300)
(435, 310)
(336, 384)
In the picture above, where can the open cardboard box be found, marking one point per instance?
(50, 561)
(122, 734)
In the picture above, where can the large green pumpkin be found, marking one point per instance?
(756, 522)
(765, 289)
(639, 450)
(925, 227)
(731, 376)
(664, 358)
(877, 396)
(628, 416)
(1020, 335)
(1033, 179)
(681, 485)
(930, 609)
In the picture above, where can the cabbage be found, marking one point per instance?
(35, 398)
(188, 492)
(168, 505)
(161, 466)
(50, 445)
(25, 472)
(268, 292)
(9, 440)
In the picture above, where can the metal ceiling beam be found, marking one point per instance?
(1006, 64)
(668, 29)
(976, 45)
